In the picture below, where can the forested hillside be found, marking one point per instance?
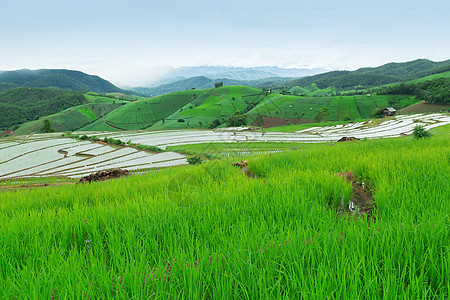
(62, 79)
(369, 77)
(434, 91)
(20, 105)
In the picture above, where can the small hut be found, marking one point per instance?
(389, 111)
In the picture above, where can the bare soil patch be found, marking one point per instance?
(104, 175)
(362, 203)
(423, 107)
(9, 187)
(348, 139)
(243, 165)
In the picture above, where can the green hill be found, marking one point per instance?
(75, 117)
(144, 113)
(210, 108)
(214, 106)
(61, 79)
(200, 108)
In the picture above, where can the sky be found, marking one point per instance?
(132, 42)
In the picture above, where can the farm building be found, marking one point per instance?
(389, 111)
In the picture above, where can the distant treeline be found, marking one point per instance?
(21, 105)
(434, 91)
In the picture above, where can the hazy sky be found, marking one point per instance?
(129, 41)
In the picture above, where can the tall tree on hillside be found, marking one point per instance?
(218, 84)
(237, 120)
(47, 126)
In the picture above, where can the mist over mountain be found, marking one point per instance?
(170, 75)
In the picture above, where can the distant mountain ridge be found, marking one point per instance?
(363, 77)
(174, 74)
(367, 77)
(202, 82)
(57, 78)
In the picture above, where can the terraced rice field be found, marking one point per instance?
(402, 125)
(50, 155)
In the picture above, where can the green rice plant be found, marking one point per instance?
(211, 231)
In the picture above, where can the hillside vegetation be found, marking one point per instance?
(95, 107)
(20, 105)
(435, 91)
(213, 232)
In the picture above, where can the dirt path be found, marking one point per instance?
(112, 126)
(34, 185)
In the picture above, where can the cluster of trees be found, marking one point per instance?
(21, 105)
(237, 120)
(214, 124)
(434, 91)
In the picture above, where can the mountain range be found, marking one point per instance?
(203, 77)
(61, 79)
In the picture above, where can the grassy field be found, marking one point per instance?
(294, 128)
(211, 232)
(239, 150)
(340, 108)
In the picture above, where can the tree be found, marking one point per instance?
(237, 120)
(260, 120)
(47, 126)
(214, 124)
(378, 113)
(218, 84)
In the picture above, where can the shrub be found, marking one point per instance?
(378, 113)
(420, 132)
(150, 148)
(195, 159)
(84, 137)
